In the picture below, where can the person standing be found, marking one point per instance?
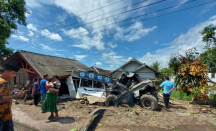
(35, 92)
(168, 88)
(49, 104)
(8, 72)
(43, 89)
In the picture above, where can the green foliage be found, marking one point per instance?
(209, 36)
(190, 75)
(208, 57)
(212, 96)
(11, 13)
(179, 95)
(176, 61)
(163, 73)
(156, 66)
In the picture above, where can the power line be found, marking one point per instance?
(112, 15)
(123, 20)
(149, 18)
(146, 19)
(78, 15)
(84, 13)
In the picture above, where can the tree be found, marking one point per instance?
(190, 75)
(208, 57)
(209, 36)
(156, 66)
(164, 72)
(12, 12)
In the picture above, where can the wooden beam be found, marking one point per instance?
(30, 65)
(26, 66)
(22, 64)
(26, 70)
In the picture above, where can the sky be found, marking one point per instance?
(108, 33)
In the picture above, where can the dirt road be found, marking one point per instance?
(73, 115)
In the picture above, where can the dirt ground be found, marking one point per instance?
(123, 118)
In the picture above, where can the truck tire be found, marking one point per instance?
(149, 102)
(110, 100)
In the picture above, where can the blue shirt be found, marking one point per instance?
(36, 86)
(42, 86)
(168, 85)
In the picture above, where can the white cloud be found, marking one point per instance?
(53, 36)
(113, 59)
(181, 2)
(95, 37)
(192, 38)
(156, 42)
(112, 45)
(80, 57)
(45, 47)
(98, 64)
(33, 3)
(134, 32)
(84, 40)
(61, 17)
(22, 38)
(28, 14)
(31, 34)
(31, 27)
(62, 50)
(58, 54)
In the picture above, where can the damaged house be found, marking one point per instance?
(135, 66)
(35, 65)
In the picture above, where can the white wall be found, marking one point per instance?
(131, 66)
(213, 79)
(146, 73)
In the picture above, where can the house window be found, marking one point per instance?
(23, 80)
(14, 80)
(212, 75)
(20, 79)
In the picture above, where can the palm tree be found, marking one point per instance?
(156, 66)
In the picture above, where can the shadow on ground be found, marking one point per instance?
(63, 120)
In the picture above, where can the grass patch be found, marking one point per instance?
(178, 95)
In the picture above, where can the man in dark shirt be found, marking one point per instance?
(35, 92)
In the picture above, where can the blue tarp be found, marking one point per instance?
(88, 75)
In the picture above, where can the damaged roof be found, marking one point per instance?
(46, 64)
(102, 71)
(141, 65)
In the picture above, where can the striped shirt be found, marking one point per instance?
(55, 86)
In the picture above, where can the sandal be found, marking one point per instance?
(56, 118)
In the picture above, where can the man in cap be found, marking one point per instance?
(168, 88)
(7, 72)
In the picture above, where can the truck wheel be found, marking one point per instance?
(149, 102)
(110, 100)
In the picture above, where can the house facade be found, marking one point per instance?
(135, 66)
(34, 65)
(212, 78)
